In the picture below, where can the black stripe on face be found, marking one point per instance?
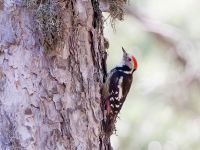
(123, 68)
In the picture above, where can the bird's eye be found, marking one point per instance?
(129, 59)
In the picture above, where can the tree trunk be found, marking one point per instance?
(50, 80)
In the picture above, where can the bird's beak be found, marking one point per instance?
(125, 53)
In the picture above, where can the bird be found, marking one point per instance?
(117, 86)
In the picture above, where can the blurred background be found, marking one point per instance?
(162, 111)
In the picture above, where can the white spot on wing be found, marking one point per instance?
(117, 106)
(111, 99)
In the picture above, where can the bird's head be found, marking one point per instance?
(129, 60)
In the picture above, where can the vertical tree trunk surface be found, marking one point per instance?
(51, 100)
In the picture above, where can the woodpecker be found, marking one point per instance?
(117, 85)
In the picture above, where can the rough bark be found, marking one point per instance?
(51, 100)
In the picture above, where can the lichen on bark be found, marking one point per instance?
(48, 19)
